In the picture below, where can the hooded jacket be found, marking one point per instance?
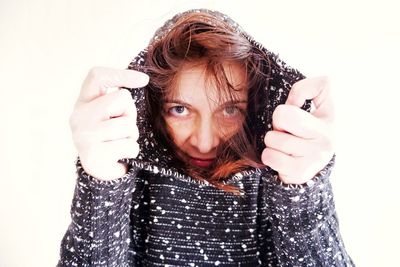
(156, 215)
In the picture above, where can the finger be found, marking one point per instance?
(290, 144)
(119, 103)
(123, 148)
(117, 128)
(115, 104)
(294, 120)
(101, 78)
(316, 89)
(277, 160)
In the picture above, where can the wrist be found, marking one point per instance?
(105, 172)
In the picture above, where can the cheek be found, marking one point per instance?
(179, 130)
(229, 128)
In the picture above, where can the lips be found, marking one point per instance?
(202, 163)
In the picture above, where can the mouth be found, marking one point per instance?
(202, 163)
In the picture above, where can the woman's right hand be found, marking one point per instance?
(103, 124)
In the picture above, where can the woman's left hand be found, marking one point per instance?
(301, 143)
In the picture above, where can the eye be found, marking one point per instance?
(230, 111)
(178, 111)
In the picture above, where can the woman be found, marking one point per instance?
(225, 174)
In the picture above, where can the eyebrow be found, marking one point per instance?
(175, 101)
(229, 102)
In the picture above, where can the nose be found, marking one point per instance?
(205, 137)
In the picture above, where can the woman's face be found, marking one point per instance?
(200, 117)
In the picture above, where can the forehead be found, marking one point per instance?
(195, 80)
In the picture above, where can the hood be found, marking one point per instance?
(157, 159)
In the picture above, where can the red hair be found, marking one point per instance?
(200, 37)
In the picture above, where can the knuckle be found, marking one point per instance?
(132, 146)
(127, 101)
(326, 143)
(264, 156)
(130, 127)
(279, 114)
(325, 80)
(136, 150)
(294, 90)
(95, 72)
(135, 132)
(74, 120)
(93, 77)
(267, 137)
(280, 110)
(125, 94)
(325, 83)
(101, 76)
(80, 140)
(133, 111)
(329, 145)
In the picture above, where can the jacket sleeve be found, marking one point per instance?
(99, 232)
(303, 221)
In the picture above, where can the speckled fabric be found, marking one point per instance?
(157, 216)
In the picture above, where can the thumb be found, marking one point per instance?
(316, 89)
(101, 78)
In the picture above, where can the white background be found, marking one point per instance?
(47, 47)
